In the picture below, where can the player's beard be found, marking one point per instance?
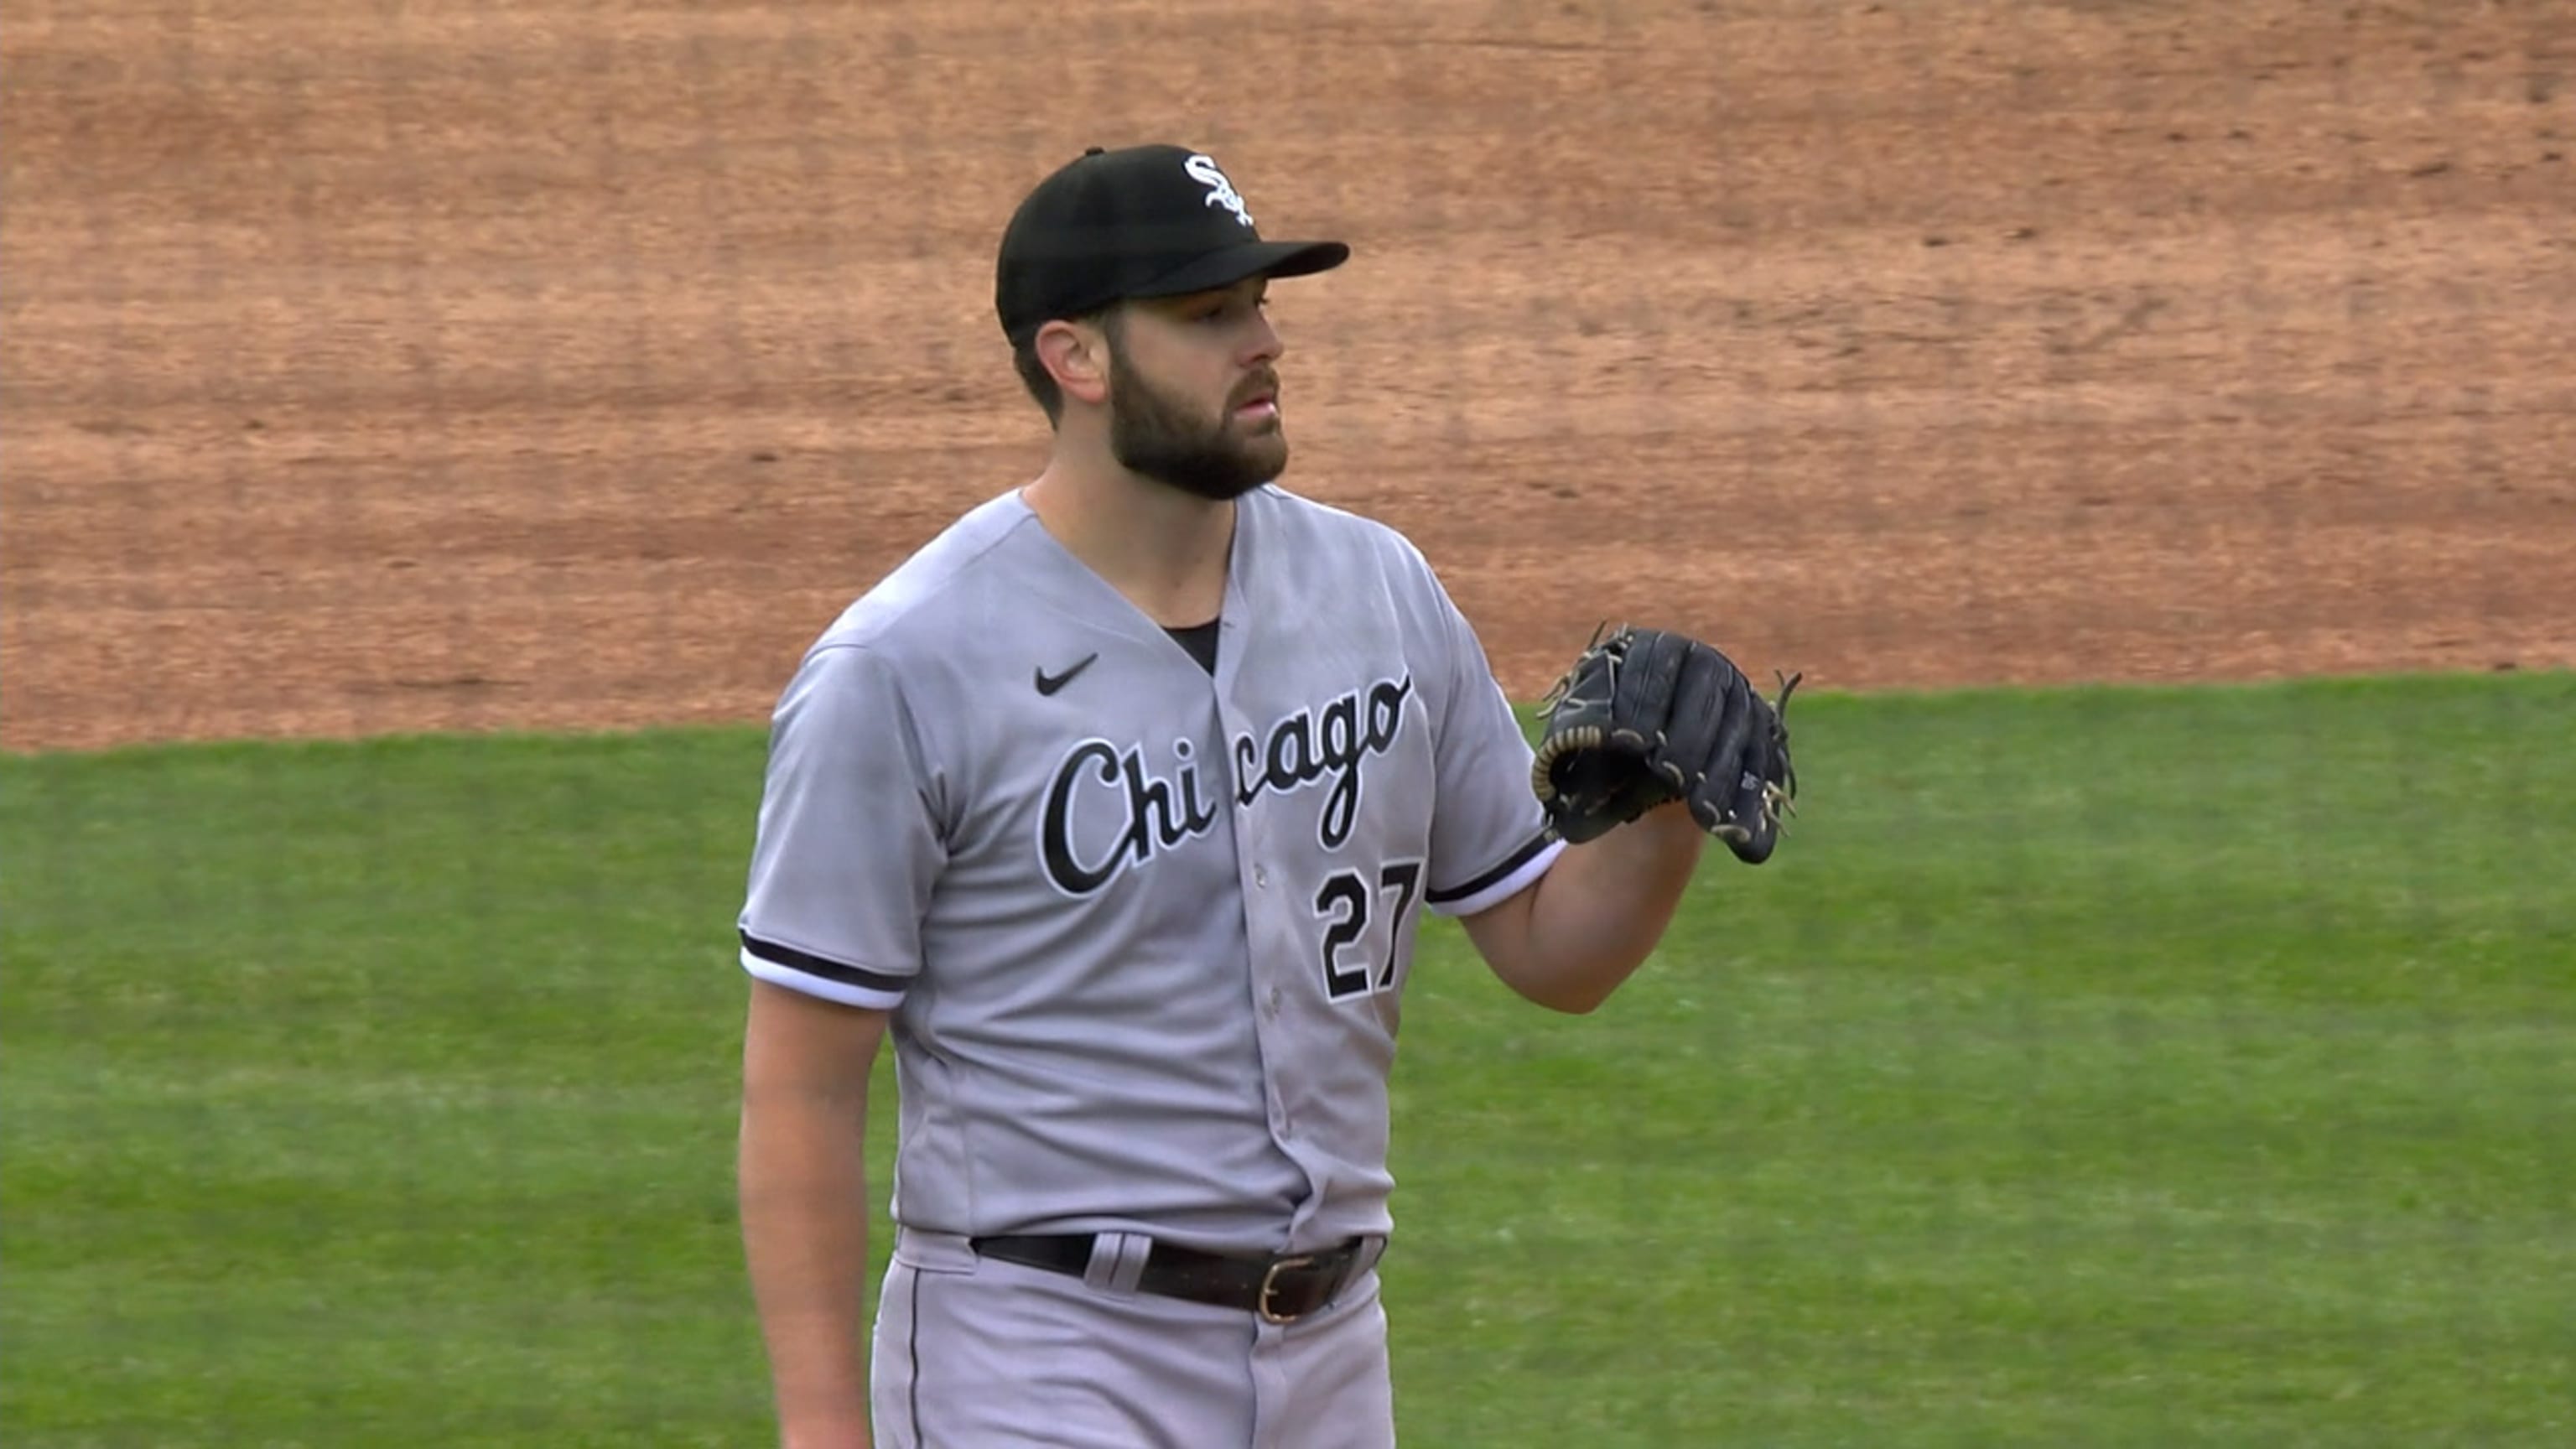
(1159, 436)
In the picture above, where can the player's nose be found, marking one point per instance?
(1264, 344)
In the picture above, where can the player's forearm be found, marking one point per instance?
(803, 1186)
(1599, 911)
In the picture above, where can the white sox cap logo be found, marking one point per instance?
(1221, 192)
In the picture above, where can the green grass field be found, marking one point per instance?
(2092, 1068)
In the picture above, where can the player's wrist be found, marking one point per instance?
(830, 1431)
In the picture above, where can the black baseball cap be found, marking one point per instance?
(1147, 221)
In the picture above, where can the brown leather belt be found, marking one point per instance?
(1279, 1290)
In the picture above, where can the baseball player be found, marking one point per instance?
(1117, 807)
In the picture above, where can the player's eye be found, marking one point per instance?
(1229, 308)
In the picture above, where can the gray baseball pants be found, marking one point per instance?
(974, 1353)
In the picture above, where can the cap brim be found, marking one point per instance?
(1251, 259)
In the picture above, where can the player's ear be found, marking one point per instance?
(1076, 354)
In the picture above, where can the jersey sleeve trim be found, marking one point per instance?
(816, 986)
(1500, 884)
(820, 976)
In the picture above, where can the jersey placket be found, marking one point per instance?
(1274, 942)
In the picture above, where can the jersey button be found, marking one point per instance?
(1261, 876)
(1272, 1006)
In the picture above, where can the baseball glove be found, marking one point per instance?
(1645, 718)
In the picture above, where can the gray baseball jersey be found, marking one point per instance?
(1143, 930)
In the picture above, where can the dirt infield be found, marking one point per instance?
(424, 366)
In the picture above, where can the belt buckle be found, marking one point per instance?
(1270, 1285)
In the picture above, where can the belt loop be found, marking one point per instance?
(1117, 1262)
(919, 1248)
(1363, 1259)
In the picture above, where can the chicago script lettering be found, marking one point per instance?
(1098, 782)
(1293, 757)
(1154, 819)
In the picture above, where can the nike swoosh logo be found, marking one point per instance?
(1050, 683)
